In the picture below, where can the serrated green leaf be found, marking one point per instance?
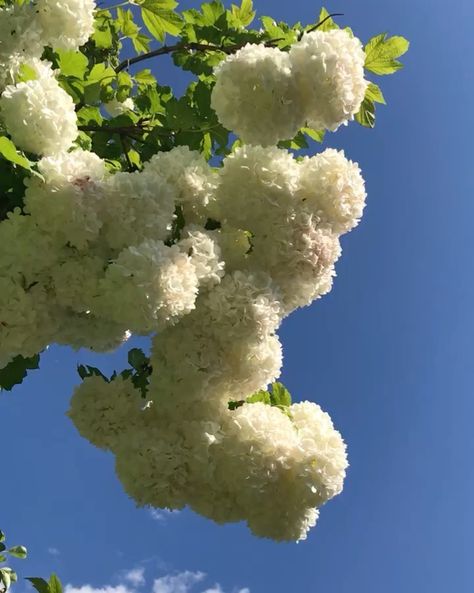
(9, 152)
(160, 21)
(141, 43)
(212, 11)
(329, 24)
(366, 115)
(259, 396)
(381, 53)
(280, 396)
(374, 93)
(73, 63)
(18, 552)
(125, 22)
(145, 77)
(243, 14)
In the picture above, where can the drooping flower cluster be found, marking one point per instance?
(265, 95)
(95, 256)
(185, 446)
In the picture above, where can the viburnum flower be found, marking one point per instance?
(328, 70)
(255, 95)
(66, 24)
(39, 115)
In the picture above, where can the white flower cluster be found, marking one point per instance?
(94, 256)
(265, 95)
(93, 259)
(218, 327)
(38, 114)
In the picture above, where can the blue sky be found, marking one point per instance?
(388, 353)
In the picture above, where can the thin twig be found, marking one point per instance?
(125, 152)
(329, 16)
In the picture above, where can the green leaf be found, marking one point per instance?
(366, 115)
(243, 14)
(145, 77)
(125, 22)
(2, 536)
(18, 552)
(73, 63)
(40, 585)
(26, 73)
(374, 93)
(5, 578)
(137, 359)
(296, 143)
(2, 558)
(260, 396)
(55, 584)
(317, 135)
(9, 152)
(141, 43)
(85, 371)
(280, 395)
(381, 53)
(163, 4)
(159, 21)
(327, 25)
(2, 547)
(16, 371)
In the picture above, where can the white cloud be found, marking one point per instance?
(53, 551)
(135, 576)
(178, 583)
(162, 514)
(181, 582)
(90, 589)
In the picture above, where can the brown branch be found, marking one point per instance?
(168, 49)
(123, 130)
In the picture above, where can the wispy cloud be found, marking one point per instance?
(53, 551)
(134, 581)
(90, 589)
(162, 514)
(178, 583)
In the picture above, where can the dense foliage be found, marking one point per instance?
(125, 209)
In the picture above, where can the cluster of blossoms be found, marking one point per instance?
(99, 255)
(37, 113)
(265, 95)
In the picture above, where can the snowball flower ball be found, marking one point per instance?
(39, 116)
(328, 70)
(255, 95)
(67, 24)
(333, 188)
